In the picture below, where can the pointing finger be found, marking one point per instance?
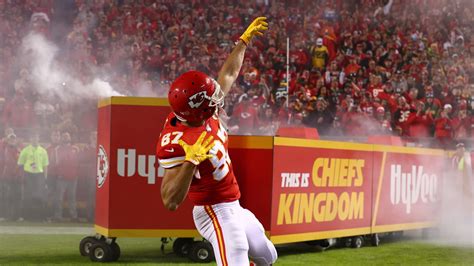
(207, 141)
(209, 146)
(201, 137)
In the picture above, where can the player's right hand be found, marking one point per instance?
(199, 151)
(255, 28)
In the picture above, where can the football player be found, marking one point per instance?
(192, 148)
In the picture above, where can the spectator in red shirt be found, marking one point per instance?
(412, 97)
(67, 167)
(444, 128)
(375, 85)
(384, 127)
(355, 121)
(401, 117)
(246, 116)
(10, 180)
(352, 67)
(154, 61)
(461, 125)
(420, 123)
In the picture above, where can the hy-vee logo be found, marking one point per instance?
(409, 188)
(128, 164)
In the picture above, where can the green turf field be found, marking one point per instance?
(37, 249)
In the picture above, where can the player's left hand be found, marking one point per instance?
(255, 29)
(199, 151)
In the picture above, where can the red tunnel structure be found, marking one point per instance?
(300, 189)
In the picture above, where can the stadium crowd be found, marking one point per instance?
(356, 67)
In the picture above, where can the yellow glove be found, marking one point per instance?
(198, 152)
(258, 25)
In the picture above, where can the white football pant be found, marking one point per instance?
(235, 234)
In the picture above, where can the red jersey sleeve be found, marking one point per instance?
(168, 151)
(170, 155)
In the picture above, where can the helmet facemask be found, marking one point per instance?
(217, 98)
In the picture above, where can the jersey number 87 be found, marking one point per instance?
(221, 165)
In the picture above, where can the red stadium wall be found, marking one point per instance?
(299, 189)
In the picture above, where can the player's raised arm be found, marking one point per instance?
(231, 68)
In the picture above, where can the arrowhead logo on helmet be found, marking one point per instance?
(197, 99)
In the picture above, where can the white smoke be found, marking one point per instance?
(456, 227)
(51, 79)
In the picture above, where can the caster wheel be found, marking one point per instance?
(375, 240)
(341, 243)
(85, 245)
(100, 252)
(115, 251)
(320, 244)
(201, 252)
(181, 246)
(347, 242)
(357, 242)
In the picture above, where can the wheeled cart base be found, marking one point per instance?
(105, 249)
(100, 248)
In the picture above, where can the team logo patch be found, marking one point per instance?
(102, 166)
(197, 99)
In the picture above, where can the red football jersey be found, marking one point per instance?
(214, 181)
